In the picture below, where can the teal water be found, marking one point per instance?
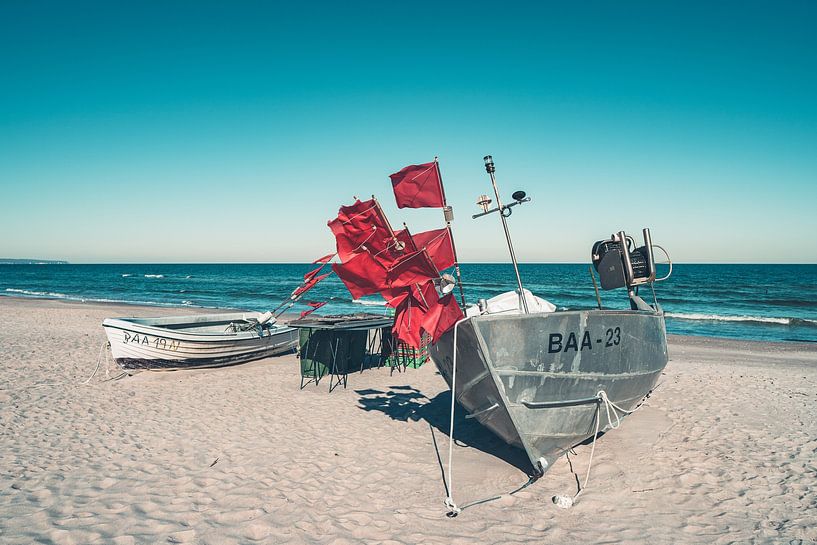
(761, 302)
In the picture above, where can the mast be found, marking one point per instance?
(489, 167)
(448, 214)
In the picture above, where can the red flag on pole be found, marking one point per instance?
(359, 227)
(408, 321)
(323, 260)
(414, 268)
(438, 245)
(308, 285)
(418, 186)
(311, 274)
(411, 311)
(315, 306)
(362, 275)
(441, 316)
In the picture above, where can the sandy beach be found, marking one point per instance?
(724, 452)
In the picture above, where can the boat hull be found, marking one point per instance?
(192, 342)
(533, 379)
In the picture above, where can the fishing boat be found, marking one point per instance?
(541, 379)
(545, 380)
(187, 342)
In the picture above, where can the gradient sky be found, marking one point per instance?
(191, 131)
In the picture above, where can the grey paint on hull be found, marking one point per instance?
(513, 371)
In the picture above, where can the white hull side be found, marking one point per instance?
(136, 346)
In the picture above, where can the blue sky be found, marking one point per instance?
(190, 131)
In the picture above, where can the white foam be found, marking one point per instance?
(37, 293)
(52, 295)
(720, 318)
(369, 303)
(154, 276)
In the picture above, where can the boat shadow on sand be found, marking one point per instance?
(406, 403)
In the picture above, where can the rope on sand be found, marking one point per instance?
(455, 509)
(612, 410)
(105, 344)
(449, 500)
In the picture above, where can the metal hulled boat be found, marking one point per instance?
(187, 342)
(538, 379)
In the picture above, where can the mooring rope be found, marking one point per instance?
(105, 344)
(449, 501)
(455, 509)
(612, 410)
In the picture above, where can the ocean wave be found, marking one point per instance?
(37, 293)
(126, 275)
(53, 295)
(369, 303)
(756, 319)
(154, 276)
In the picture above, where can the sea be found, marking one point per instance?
(751, 302)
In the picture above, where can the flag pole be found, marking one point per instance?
(388, 224)
(293, 298)
(448, 214)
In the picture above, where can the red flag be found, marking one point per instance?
(408, 322)
(359, 227)
(324, 259)
(404, 237)
(315, 306)
(441, 316)
(414, 268)
(362, 215)
(308, 285)
(390, 250)
(418, 186)
(422, 294)
(420, 310)
(350, 241)
(438, 245)
(311, 274)
(362, 275)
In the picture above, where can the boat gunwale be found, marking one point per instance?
(201, 337)
(521, 316)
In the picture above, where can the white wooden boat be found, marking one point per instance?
(186, 342)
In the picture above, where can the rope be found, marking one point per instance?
(455, 509)
(98, 359)
(612, 410)
(449, 501)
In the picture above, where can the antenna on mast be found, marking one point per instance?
(504, 211)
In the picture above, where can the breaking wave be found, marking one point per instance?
(754, 319)
(54, 295)
(154, 276)
(37, 293)
(369, 303)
